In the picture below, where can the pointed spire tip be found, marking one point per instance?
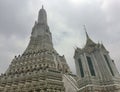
(86, 31)
(42, 7)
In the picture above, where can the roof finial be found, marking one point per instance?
(86, 31)
(42, 7)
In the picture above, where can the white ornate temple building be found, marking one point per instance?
(41, 69)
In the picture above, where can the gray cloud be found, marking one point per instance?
(65, 18)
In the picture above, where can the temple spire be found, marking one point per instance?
(41, 37)
(42, 7)
(86, 32)
(42, 17)
(88, 39)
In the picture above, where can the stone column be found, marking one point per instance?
(105, 66)
(115, 71)
(97, 70)
(85, 66)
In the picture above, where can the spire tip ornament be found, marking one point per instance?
(42, 7)
(86, 31)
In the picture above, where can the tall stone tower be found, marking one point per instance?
(96, 70)
(40, 67)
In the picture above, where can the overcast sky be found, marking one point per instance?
(65, 19)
